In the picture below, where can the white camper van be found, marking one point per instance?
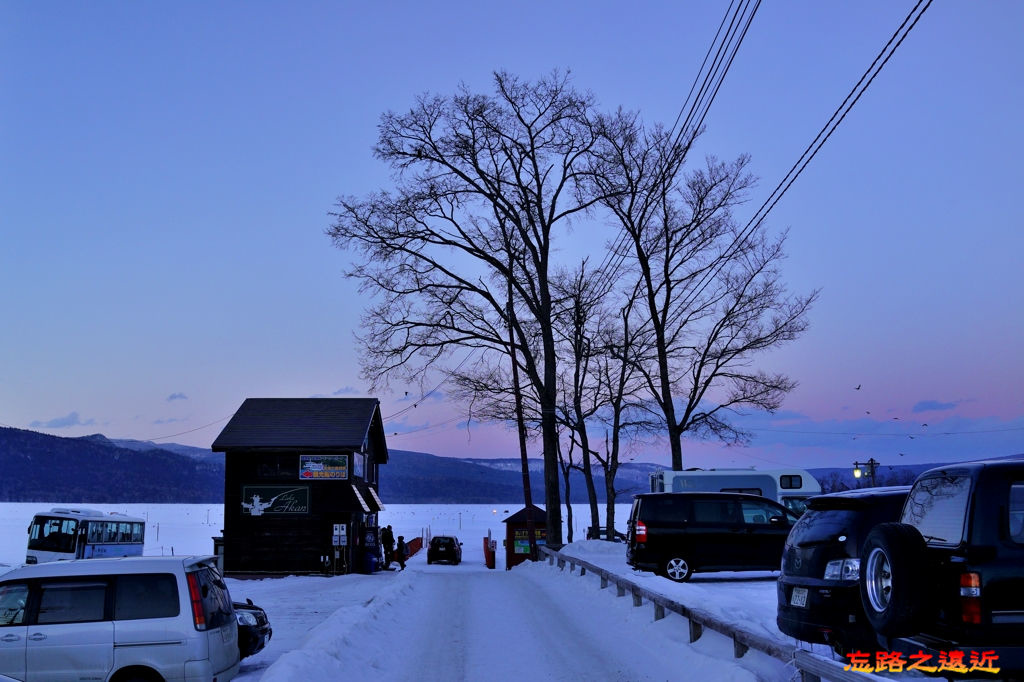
(789, 487)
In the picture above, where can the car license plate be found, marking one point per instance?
(799, 597)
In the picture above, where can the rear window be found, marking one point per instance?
(1017, 511)
(937, 507)
(216, 599)
(71, 602)
(147, 595)
(664, 509)
(827, 518)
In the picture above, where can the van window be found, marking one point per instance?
(664, 509)
(716, 511)
(146, 595)
(13, 598)
(71, 602)
(758, 513)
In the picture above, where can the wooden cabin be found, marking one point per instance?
(300, 485)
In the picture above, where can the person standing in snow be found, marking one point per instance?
(401, 552)
(387, 540)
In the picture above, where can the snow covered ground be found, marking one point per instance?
(467, 622)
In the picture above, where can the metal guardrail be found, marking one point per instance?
(812, 667)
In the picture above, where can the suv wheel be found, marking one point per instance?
(678, 569)
(893, 578)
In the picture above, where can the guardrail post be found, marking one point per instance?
(561, 564)
(738, 648)
(620, 591)
(659, 612)
(583, 570)
(637, 599)
(696, 630)
(807, 676)
(604, 581)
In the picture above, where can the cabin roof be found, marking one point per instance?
(321, 423)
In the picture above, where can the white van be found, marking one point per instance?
(134, 619)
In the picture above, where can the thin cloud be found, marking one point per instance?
(65, 422)
(176, 396)
(933, 406)
(170, 420)
(348, 390)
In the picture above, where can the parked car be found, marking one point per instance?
(136, 618)
(819, 586)
(444, 548)
(601, 533)
(949, 576)
(676, 534)
(254, 631)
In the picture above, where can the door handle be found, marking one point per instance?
(37, 637)
(9, 638)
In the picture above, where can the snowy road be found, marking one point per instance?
(466, 622)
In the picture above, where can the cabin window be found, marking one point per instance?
(791, 482)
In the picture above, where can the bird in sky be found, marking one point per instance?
(857, 388)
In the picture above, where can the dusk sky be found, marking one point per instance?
(168, 169)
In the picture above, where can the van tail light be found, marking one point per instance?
(970, 598)
(194, 594)
(641, 532)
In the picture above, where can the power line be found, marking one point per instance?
(433, 390)
(198, 428)
(897, 38)
(697, 109)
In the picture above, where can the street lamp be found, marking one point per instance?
(871, 465)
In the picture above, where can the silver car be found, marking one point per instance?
(136, 618)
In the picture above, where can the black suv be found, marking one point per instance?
(819, 587)
(444, 548)
(949, 577)
(679, 533)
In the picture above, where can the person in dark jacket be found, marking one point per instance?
(401, 552)
(387, 541)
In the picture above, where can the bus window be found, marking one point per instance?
(124, 532)
(137, 532)
(54, 535)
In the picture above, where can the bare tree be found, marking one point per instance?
(712, 292)
(475, 174)
(620, 386)
(574, 322)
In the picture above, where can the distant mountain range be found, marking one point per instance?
(36, 467)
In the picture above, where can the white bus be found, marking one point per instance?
(789, 487)
(62, 533)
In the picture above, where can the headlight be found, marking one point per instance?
(245, 618)
(843, 569)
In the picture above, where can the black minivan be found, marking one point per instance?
(676, 534)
